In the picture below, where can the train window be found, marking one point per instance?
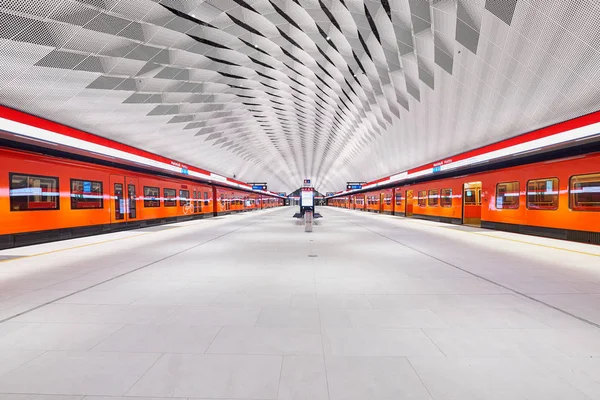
(584, 192)
(542, 194)
(170, 199)
(86, 194)
(132, 201)
(184, 196)
(398, 199)
(472, 197)
(507, 195)
(33, 192)
(433, 198)
(446, 198)
(151, 196)
(422, 198)
(206, 198)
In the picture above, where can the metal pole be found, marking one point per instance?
(308, 221)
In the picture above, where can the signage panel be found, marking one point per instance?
(308, 198)
(354, 187)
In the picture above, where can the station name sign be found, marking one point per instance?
(354, 185)
(437, 167)
(259, 186)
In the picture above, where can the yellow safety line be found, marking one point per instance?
(536, 244)
(72, 248)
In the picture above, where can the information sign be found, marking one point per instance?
(354, 186)
(308, 198)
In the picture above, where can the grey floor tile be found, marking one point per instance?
(211, 376)
(214, 316)
(267, 340)
(81, 373)
(289, 318)
(303, 377)
(492, 378)
(582, 373)
(395, 319)
(13, 359)
(491, 343)
(160, 339)
(381, 378)
(378, 342)
(58, 336)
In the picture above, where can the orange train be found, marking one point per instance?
(44, 198)
(558, 198)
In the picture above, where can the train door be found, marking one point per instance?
(471, 209)
(381, 202)
(409, 203)
(124, 195)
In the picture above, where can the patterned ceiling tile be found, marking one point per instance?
(280, 90)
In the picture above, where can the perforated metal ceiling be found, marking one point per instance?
(276, 91)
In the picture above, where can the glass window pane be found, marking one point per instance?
(584, 192)
(86, 194)
(446, 198)
(151, 196)
(433, 198)
(30, 192)
(507, 196)
(170, 197)
(542, 194)
(422, 198)
(184, 195)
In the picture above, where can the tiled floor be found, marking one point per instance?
(235, 308)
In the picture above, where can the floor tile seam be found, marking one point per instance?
(280, 375)
(144, 373)
(125, 273)
(106, 338)
(42, 352)
(213, 340)
(419, 376)
(433, 342)
(596, 325)
(323, 356)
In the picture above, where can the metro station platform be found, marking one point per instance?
(249, 306)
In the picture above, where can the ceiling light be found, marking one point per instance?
(328, 38)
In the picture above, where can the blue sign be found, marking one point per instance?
(259, 187)
(184, 171)
(437, 169)
(353, 187)
(87, 187)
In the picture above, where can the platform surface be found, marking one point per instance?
(250, 306)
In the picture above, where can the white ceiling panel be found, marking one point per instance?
(281, 90)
